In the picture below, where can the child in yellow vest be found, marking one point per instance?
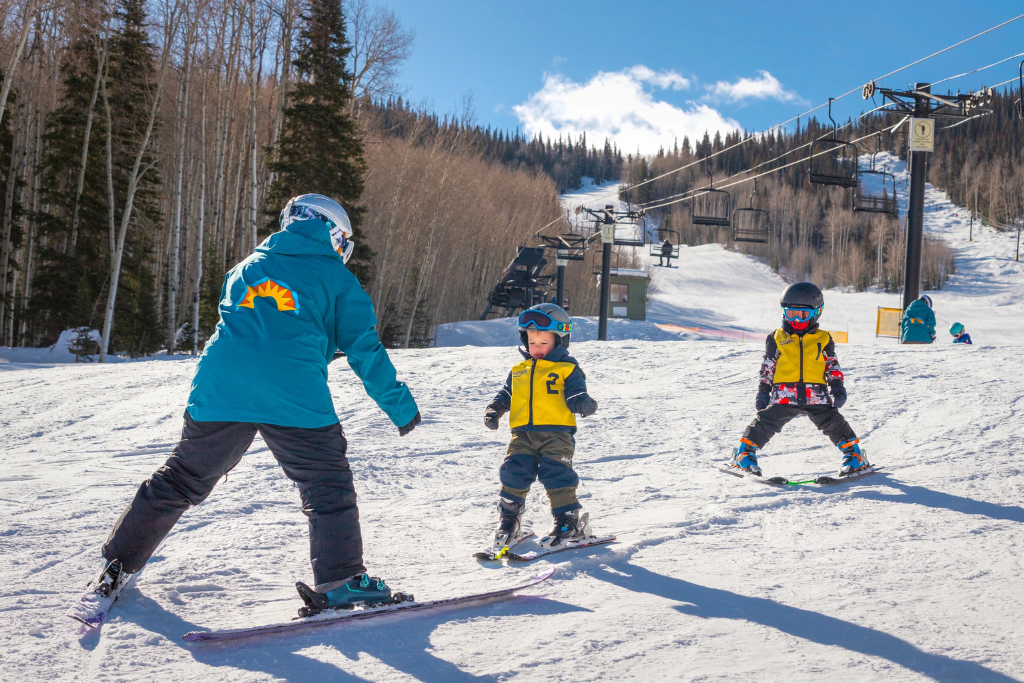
(800, 374)
(542, 395)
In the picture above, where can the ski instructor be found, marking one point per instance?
(284, 311)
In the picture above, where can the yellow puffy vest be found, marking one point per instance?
(538, 394)
(801, 359)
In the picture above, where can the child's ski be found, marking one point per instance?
(92, 608)
(825, 479)
(333, 617)
(582, 543)
(840, 478)
(729, 468)
(496, 552)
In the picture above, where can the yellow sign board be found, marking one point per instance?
(840, 337)
(888, 324)
(922, 135)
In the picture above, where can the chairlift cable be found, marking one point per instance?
(794, 118)
(974, 71)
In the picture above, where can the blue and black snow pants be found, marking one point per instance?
(312, 458)
(546, 456)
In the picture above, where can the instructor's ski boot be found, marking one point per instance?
(113, 580)
(510, 523)
(360, 590)
(570, 526)
(853, 458)
(745, 457)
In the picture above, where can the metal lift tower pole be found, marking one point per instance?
(915, 213)
(562, 260)
(607, 237)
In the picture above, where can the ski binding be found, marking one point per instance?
(496, 552)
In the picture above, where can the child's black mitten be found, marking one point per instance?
(764, 396)
(493, 413)
(838, 392)
(585, 406)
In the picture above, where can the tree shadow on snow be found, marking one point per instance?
(400, 642)
(919, 495)
(711, 603)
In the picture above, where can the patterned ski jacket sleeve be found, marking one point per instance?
(771, 359)
(833, 372)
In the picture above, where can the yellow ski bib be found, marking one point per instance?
(801, 359)
(538, 394)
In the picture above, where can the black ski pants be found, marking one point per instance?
(312, 458)
(772, 419)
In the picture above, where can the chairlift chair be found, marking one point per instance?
(751, 224)
(634, 218)
(710, 206)
(833, 161)
(881, 201)
(671, 238)
(596, 261)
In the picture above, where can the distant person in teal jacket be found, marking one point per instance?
(960, 335)
(284, 311)
(918, 326)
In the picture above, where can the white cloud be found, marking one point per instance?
(620, 106)
(763, 87)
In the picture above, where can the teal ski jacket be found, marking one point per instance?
(918, 324)
(284, 311)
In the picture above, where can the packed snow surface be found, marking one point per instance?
(911, 574)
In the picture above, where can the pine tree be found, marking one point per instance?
(320, 149)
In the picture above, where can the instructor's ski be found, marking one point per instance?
(92, 608)
(333, 617)
(840, 478)
(585, 542)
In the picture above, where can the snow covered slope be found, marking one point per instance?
(912, 574)
(716, 288)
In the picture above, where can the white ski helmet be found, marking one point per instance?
(321, 208)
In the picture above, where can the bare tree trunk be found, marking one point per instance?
(253, 179)
(30, 9)
(26, 289)
(199, 236)
(101, 54)
(172, 285)
(5, 249)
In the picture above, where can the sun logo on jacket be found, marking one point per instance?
(280, 292)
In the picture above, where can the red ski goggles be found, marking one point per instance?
(797, 314)
(542, 322)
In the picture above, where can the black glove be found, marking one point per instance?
(585, 406)
(493, 413)
(838, 392)
(402, 431)
(762, 400)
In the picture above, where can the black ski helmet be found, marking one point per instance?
(804, 295)
(557, 314)
(926, 299)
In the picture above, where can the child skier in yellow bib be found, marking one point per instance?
(800, 374)
(542, 395)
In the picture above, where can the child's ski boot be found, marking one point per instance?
(853, 458)
(745, 457)
(360, 590)
(510, 523)
(570, 526)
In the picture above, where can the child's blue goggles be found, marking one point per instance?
(542, 322)
(799, 313)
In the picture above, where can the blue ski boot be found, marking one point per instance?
(745, 457)
(853, 458)
(361, 589)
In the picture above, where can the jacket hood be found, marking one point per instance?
(555, 355)
(918, 306)
(301, 238)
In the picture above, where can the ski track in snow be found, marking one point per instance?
(911, 574)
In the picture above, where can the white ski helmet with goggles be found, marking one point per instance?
(546, 318)
(324, 209)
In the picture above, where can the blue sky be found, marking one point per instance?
(645, 71)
